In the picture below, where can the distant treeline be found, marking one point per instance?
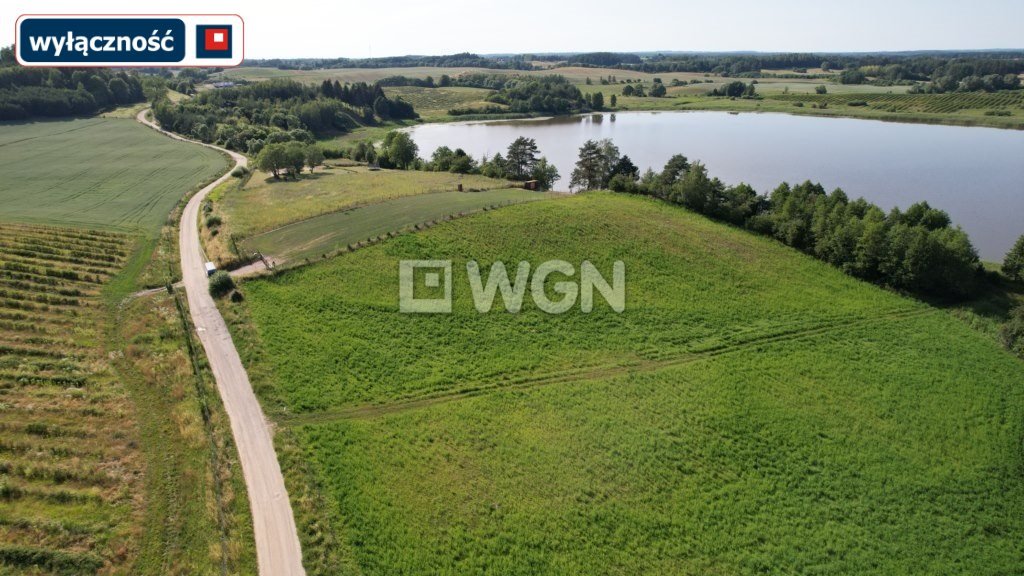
(54, 92)
(246, 118)
(598, 59)
(461, 60)
(917, 250)
(939, 73)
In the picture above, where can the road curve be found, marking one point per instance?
(277, 541)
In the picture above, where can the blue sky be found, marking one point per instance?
(307, 28)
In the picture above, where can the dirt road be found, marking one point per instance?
(277, 542)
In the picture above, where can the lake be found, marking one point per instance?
(975, 174)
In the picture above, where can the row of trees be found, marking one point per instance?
(522, 161)
(55, 92)
(916, 250)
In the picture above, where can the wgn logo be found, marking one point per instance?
(425, 286)
(194, 40)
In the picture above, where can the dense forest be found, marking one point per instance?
(247, 117)
(53, 92)
(917, 250)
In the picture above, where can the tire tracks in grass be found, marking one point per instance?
(627, 365)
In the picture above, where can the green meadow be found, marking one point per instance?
(752, 410)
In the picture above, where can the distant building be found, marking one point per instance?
(223, 84)
(531, 185)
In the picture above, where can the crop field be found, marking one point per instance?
(69, 470)
(97, 172)
(436, 102)
(336, 231)
(752, 410)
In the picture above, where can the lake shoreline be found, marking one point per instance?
(972, 174)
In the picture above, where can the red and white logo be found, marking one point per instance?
(217, 39)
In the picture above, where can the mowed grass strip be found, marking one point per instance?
(837, 428)
(265, 203)
(330, 233)
(97, 172)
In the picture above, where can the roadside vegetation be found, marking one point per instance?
(426, 435)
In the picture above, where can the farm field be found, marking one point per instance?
(763, 413)
(105, 461)
(68, 468)
(97, 172)
(336, 231)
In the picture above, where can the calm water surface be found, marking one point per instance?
(975, 174)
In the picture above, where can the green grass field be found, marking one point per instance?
(751, 411)
(97, 172)
(336, 231)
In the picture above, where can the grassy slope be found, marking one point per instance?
(97, 172)
(751, 410)
(336, 231)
